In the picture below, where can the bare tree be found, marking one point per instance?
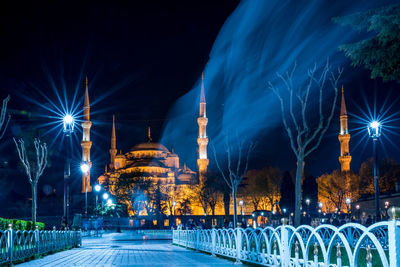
(36, 171)
(235, 171)
(304, 138)
(3, 121)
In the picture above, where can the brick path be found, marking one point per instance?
(109, 251)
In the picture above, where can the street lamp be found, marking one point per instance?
(174, 205)
(348, 201)
(308, 205)
(241, 203)
(105, 196)
(85, 169)
(97, 188)
(374, 131)
(68, 126)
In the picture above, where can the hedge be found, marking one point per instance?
(19, 224)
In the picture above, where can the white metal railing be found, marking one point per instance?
(326, 245)
(20, 245)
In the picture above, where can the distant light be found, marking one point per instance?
(105, 196)
(253, 215)
(374, 129)
(69, 123)
(358, 207)
(320, 204)
(308, 201)
(273, 212)
(174, 203)
(109, 202)
(68, 119)
(374, 124)
(348, 200)
(241, 202)
(284, 210)
(97, 187)
(85, 167)
(262, 213)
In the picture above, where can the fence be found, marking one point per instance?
(349, 245)
(20, 245)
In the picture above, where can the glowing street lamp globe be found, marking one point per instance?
(109, 202)
(374, 129)
(85, 167)
(348, 200)
(69, 123)
(97, 187)
(105, 196)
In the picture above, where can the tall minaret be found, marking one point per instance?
(113, 149)
(86, 143)
(344, 138)
(202, 140)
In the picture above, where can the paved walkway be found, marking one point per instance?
(122, 250)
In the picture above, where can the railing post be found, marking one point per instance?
(284, 244)
(37, 241)
(338, 255)
(10, 242)
(54, 237)
(197, 246)
(394, 236)
(316, 254)
(213, 241)
(238, 243)
(296, 253)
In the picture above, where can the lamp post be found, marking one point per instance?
(374, 131)
(308, 205)
(358, 211)
(85, 168)
(97, 188)
(105, 197)
(241, 203)
(68, 124)
(348, 201)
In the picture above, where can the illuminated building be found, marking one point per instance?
(344, 138)
(86, 143)
(202, 140)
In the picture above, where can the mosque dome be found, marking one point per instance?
(149, 146)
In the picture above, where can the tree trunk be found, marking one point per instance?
(34, 197)
(227, 202)
(297, 204)
(234, 206)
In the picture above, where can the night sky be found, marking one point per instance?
(140, 58)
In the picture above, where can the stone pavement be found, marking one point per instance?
(122, 250)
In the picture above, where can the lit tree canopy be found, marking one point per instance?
(379, 52)
(335, 187)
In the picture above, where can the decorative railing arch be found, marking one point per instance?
(326, 245)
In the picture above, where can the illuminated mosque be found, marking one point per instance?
(158, 163)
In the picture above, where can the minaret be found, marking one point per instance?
(149, 134)
(202, 140)
(86, 143)
(344, 138)
(113, 149)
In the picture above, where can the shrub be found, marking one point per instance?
(19, 224)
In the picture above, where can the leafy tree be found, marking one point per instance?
(303, 135)
(335, 187)
(133, 189)
(379, 52)
(263, 187)
(389, 175)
